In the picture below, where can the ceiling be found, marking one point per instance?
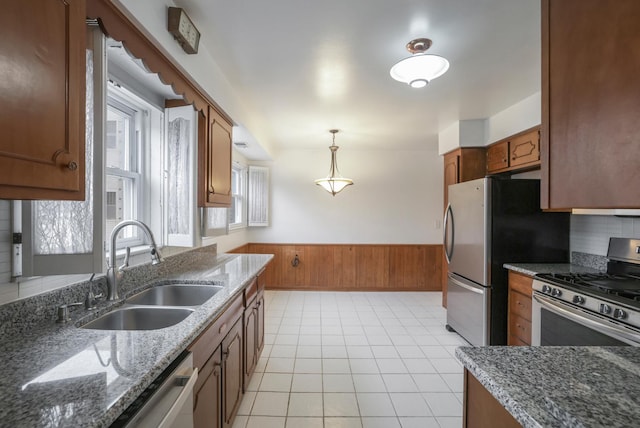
(305, 67)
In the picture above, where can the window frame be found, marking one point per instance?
(239, 197)
(136, 108)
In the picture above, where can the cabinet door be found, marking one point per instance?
(451, 176)
(232, 373)
(207, 398)
(260, 325)
(590, 132)
(250, 343)
(214, 184)
(498, 157)
(524, 150)
(43, 99)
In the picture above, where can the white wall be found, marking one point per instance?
(463, 133)
(396, 198)
(523, 115)
(152, 15)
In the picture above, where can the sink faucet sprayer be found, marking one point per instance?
(113, 273)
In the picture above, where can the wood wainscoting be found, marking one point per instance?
(347, 267)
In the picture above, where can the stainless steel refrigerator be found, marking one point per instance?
(489, 222)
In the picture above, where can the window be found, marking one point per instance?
(123, 182)
(238, 196)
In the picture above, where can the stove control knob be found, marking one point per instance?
(578, 299)
(605, 309)
(546, 289)
(619, 314)
(556, 292)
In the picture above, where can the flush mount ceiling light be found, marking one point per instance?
(334, 182)
(420, 68)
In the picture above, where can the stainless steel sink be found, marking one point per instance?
(140, 318)
(175, 295)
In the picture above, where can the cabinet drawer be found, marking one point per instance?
(520, 283)
(525, 149)
(209, 340)
(520, 327)
(520, 305)
(262, 280)
(498, 156)
(250, 292)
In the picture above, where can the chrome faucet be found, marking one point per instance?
(113, 273)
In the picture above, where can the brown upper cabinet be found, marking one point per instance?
(590, 139)
(42, 152)
(517, 153)
(214, 170)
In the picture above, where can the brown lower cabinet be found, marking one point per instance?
(232, 379)
(519, 315)
(207, 402)
(481, 409)
(226, 354)
(253, 326)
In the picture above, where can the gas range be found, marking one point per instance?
(613, 296)
(607, 302)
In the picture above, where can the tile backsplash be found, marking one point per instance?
(590, 233)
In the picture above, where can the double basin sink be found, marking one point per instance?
(156, 307)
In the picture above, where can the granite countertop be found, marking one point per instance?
(62, 375)
(533, 269)
(565, 386)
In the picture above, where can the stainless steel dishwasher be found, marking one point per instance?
(167, 402)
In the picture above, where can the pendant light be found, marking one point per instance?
(334, 182)
(420, 68)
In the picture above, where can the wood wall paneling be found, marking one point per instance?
(353, 267)
(344, 267)
(372, 266)
(319, 263)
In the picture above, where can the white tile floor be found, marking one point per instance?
(355, 360)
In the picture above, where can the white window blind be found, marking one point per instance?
(179, 167)
(258, 196)
(215, 221)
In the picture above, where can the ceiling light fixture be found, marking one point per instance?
(334, 182)
(420, 68)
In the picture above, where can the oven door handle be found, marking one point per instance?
(593, 322)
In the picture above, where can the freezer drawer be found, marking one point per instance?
(468, 309)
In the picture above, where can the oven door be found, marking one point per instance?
(556, 323)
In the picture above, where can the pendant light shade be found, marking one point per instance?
(420, 68)
(334, 182)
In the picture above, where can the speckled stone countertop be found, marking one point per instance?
(532, 269)
(565, 386)
(58, 375)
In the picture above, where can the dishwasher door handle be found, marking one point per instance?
(187, 384)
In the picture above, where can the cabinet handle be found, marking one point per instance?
(223, 327)
(225, 355)
(72, 165)
(212, 191)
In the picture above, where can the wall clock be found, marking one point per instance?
(183, 30)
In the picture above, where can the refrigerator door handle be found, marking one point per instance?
(466, 286)
(448, 215)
